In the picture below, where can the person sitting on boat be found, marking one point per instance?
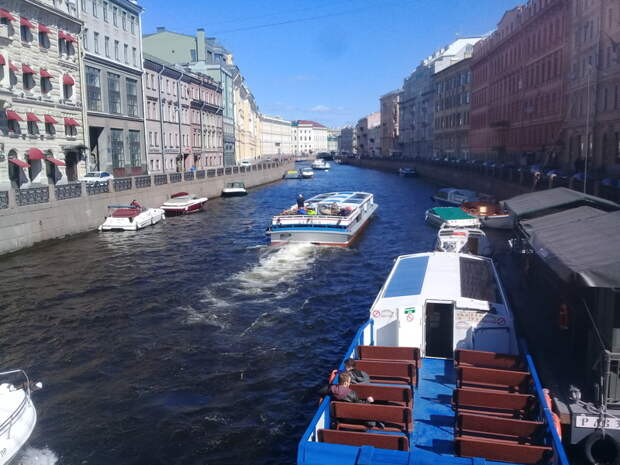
(357, 376)
(342, 392)
(300, 201)
(134, 203)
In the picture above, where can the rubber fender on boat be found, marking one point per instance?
(556, 419)
(590, 442)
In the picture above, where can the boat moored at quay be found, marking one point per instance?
(131, 217)
(333, 219)
(451, 382)
(183, 203)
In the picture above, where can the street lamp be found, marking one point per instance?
(585, 168)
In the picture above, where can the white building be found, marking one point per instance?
(276, 138)
(309, 137)
(332, 140)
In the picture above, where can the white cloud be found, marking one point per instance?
(321, 108)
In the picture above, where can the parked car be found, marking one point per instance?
(96, 176)
(245, 163)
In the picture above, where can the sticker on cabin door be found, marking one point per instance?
(376, 313)
(409, 312)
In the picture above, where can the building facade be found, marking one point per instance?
(332, 140)
(309, 137)
(247, 121)
(368, 135)
(276, 136)
(390, 123)
(452, 106)
(592, 128)
(112, 41)
(518, 86)
(347, 142)
(42, 137)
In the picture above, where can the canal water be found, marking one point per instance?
(193, 342)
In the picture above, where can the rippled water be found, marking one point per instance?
(193, 342)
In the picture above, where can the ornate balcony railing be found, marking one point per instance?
(32, 195)
(200, 174)
(68, 191)
(228, 170)
(175, 177)
(220, 171)
(188, 176)
(122, 184)
(160, 179)
(211, 173)
(143, 181)
(235, 169)
(4, 199)
(101, 187)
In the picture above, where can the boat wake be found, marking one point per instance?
(32, 456)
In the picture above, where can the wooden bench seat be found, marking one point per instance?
(500, 428)
(492, 378)
(396, 395)
(502, 450)
(395, 372)
(350, 416)
(353, 438)
(484, 359)
(389, 353)
(498, 403)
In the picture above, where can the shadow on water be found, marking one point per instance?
(193, 342)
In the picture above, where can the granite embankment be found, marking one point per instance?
(29, 216)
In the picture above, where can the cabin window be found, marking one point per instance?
(478, 281)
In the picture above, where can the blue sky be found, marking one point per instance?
(327, 60)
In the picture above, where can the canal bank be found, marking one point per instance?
(30, 216)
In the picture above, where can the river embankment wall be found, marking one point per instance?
(30, 216)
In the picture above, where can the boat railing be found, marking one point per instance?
(5, 426)
(321, 419)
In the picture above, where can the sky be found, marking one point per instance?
(327, 60)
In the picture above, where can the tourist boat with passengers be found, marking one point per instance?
(463, 240)
(183, 203)
(451, 216)
(131, 217)
(333, 219)
(454, 197)
(451, 381)
(491, 215)
(320, 164)
(18, 416)
(407, 172)
(234, 189)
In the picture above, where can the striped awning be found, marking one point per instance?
(71, 122)
(35, 154)
(67, 80)
(18, 162)
(12, 116)
(6, 15)
(24, 22)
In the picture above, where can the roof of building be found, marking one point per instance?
(308, 123)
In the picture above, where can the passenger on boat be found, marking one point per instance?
(357, 376)
(300, 201)
(134, 203)
(342, 392)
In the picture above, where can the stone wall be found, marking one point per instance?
(29, 216)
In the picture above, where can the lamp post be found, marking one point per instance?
(585, 168)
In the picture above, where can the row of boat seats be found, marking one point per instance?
(391, 414)
(496, 416)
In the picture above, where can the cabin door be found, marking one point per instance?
(439, 329)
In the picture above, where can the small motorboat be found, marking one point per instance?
(320, 164)
(293, 174)
(183, 203)
(234, 189)
(463, 240)
(131, 217)
(454, 197)
(451, 216)
(18, 416)
(307, 172)
(490, 214)
(407, 172)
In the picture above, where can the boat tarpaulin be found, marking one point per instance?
(451, 213)
(558, 198)
(579, 245)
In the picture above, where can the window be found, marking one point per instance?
(13, 126)
(46, 83)
(107, 47)
(93, 89)
(134, 53)
(117, 53)
(44, 39)
(105, 11)
(115, 15)
(70, 130)
(86, 46)
(117, 147)
(96, 41)
(27, 80)
(114, 93)
(132, 97)
(25, 32)
(33, 128)
(133, 24)
(83, 5)
(50, 130)
(67, 87)
(134, 148)
(95, 13)
(124, 20)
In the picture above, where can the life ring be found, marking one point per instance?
(602, 448)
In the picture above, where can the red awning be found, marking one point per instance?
(12, 67)
(27, 69)
(18, 162)
(24, 22)
(66, 36)
(67, 80)
(35, 154)
(2, 60)
(6, 15)
(45, 74)
(48, 119)
(43, 28)
(12, 116)
(32, 118)
(71, 122)
(61, 35)
(55, 161)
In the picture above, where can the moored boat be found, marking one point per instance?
(451, 383)
(333, 219)
(407, 172)
(18, 415)
(320, 164)
(183, 203)
(234, 189)
(451, 216)
(307, 172)
(293, 174)
(491, 215)
(131, 217)
(463, 240)
(454, 197)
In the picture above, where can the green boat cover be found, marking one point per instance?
(451, 213)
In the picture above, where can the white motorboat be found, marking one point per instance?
(293, 174)
(18, 416)
(131, 217)
(234, 189)
(307, 172)
(333, 219)
(320, 164)
(407, 172)
(491, 215)
(451, 216)
(463, 240)
(454, 197)
(183, 203)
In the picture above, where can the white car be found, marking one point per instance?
(245, 163)
(97, 176)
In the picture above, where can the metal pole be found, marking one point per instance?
(585, 173)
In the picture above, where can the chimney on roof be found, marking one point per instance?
(161, 28)
(201, 46)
